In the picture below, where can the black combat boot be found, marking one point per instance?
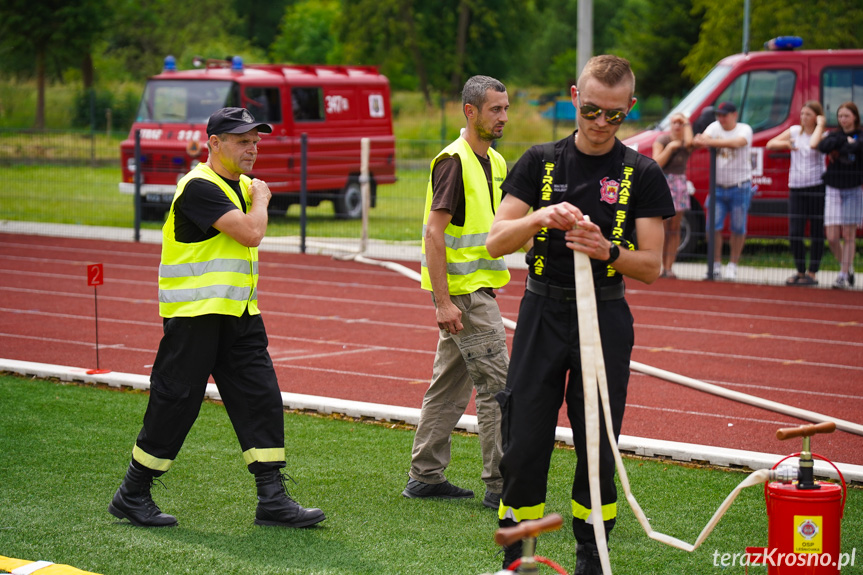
(587, 560)
(133, 501)
(512, 552)
(275, 506)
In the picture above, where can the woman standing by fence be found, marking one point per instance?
(671, 151)
(805, 193)
(843, 203)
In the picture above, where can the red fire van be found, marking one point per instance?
(335, 106)
(769, 88)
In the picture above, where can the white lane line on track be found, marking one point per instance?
(717, 297)
(728, 356)
(157, 324)
(723, 314)
(411, 326)
(101, 252)
(367, 302)
(413, 290)
(768, 388)
(705, 414)
(87, 344)
(746, 335)
(339, 353)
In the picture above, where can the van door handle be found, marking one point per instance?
(778, 155)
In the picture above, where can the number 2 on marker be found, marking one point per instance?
(95, 276)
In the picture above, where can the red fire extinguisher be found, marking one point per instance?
(804, 516)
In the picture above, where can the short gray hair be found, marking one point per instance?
(474, 91)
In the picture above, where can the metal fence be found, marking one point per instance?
(55, 179)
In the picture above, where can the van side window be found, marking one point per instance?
(840, 85)
(308, 104)
(264, 104)
(763, 97)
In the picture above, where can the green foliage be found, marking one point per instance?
(142, 35)
(655, 37)
(57, 31)
(834, 24)
(258, 21)
(307, 34)
(91, 108)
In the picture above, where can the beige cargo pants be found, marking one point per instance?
(476, 358)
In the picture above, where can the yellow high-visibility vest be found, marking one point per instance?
(218, 275)
(469, 265)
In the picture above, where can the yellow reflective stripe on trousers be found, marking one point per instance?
(267, 455)
(149, 461)
(520, 513)
(609, 511)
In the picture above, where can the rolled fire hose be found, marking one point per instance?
(594, 380)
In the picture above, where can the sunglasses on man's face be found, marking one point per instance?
(591, 112)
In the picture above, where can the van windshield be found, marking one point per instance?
(698, 94)
(184, 101)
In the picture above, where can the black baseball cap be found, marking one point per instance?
(725, 108)
(234, 121)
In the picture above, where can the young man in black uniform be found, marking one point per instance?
(586, 174)
(212, 325)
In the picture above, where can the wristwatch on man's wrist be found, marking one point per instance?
(613, 253)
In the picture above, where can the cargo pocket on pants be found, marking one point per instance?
(486, 360)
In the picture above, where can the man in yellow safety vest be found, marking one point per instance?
(461, 198)
(212, 326)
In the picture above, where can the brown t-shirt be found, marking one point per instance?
(676, 164)
(448, 186)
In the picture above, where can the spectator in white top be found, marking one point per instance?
(805, 193)
(733, 141)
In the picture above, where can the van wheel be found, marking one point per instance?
(153, 213)
(691, 233)
(349, 203)
(279, 204)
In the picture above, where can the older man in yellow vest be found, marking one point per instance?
(212, 326)
(461, 198)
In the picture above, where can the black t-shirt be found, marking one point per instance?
(199, 206)
(579, 179)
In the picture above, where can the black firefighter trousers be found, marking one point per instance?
(234, 350)
(545, 348)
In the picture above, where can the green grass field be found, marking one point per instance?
(64, 449)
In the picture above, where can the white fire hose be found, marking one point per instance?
(594, 379)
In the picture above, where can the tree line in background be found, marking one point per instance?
(431, 47)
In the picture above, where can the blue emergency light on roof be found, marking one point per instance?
(170, 64)
(784, 43)
(237, 64)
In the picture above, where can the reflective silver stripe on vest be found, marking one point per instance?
(466, 241)
(200, 268)
(467, 268)
(205, 293)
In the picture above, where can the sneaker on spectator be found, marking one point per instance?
(717, 274)
(841, 283)
(730, 271)
(445, 490)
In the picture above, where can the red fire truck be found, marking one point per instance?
(768, 87)
(335, 106)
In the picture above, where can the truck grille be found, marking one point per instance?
(164, 163)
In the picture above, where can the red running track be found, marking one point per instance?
(358, 332)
